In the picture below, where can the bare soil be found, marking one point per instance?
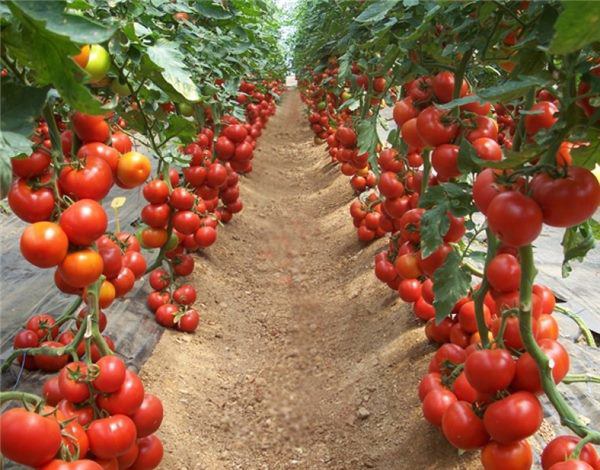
(302, 359)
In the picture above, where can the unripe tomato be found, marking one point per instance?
(133, 169)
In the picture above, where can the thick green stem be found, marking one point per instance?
(568, 416)
(459, 76)
(91, 327)
(479, 295)
(426, 172)
(68, 313)
(20, 396)
(581, 378)
(520, 130)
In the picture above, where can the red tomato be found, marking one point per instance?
(467, 318)
(409, 290)
(165, 315)
(410, 134)
(513, 418)
(435, 404)
(111, 374)
(487, 149)
(560, 449)
(30, 205)
(44, 244)
(28, 438)
(50, 363)
(463, 428)
(572, 465)
(123, 282)
(156, 192)
(98, 150)
(514, 456)
(183, 265)
(188, 322)
(185, 295)
(121, 142)
(490, 370)
(566, 201)
(82, 464)
(83, 222)
(443, 87)
(33, 165)
(156, 215)
(136, 262)
(127, 399)
(42, 325)
(182, 199)
(544, 119)
(515, 218)
(429, 382)
(504, 273)
(435, 260)
(156, 299)
(150, 453)
(72, 382)
(527, 375)
(92, 181)
(404, 110)
(112, 436)
(463, 390)
(447, 352)
(205, 236)
(149, 415)
(444, 160)
(51, 391)
(435, 127)
(90, 128)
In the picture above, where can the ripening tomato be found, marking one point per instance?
(133, 169)
(44, 244)
(112, 436)
(98, 63)
(81, 268)
(514, 456)
(28, 438)
(463, 428)
(83, 222)
(515, 218)
(153, 237)
(543, 119)
(566, 201)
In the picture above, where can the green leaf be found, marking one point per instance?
(468, 160)
(367, 135)
(460, 101)
(434, 225)
(49, 56)
(167, 56)
(587, 156)
(577, 26)
(213, 10)
(78, 29)
(181, 127)
(511, 89)
(577, 242)
(376, 11)
(456, 195)
(450, 283)
(20, 106)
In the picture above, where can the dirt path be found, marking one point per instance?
(302, 360)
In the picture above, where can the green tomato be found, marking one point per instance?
(322, 105)
(186, 109)
(119, 88)
(172, 243)
(98, 63)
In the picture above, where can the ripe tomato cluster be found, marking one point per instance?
(481, 393)
(95, 413)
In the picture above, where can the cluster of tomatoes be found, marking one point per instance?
(97, 416)
(481, 398)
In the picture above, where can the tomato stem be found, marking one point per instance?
(20, 396)
(568, 416)
(587, 334)
(581, 378)
(479, 295)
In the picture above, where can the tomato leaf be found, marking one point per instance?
(468, 160)
(169, 59)
(511, 89)
(213, 10)
(577, 242)
(587, 156)
(577, 26)
(368, 139)
(450, 282)
(182, 128)
(376, 11)
(434, 225)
